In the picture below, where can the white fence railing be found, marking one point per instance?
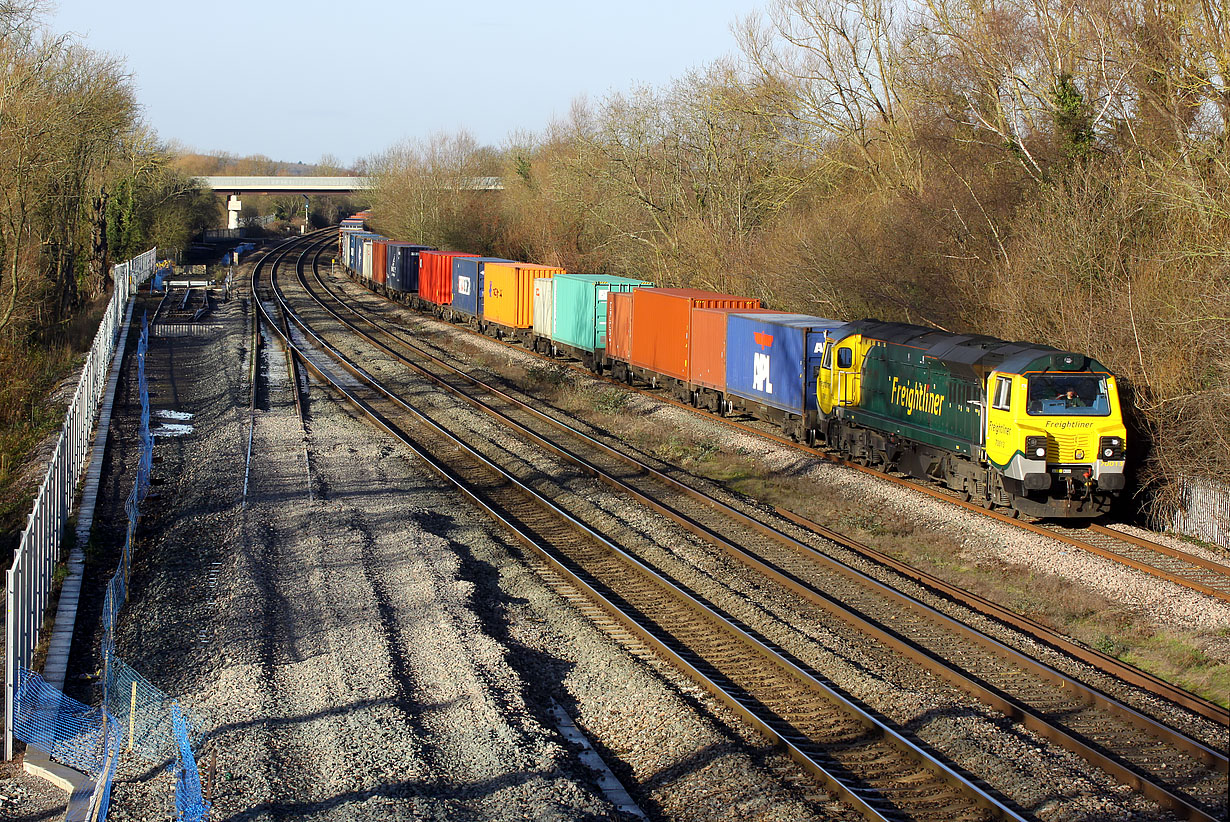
(29, 580)
(1205, 513)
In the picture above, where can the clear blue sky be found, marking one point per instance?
(295, 81)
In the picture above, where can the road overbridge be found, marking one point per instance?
(236, 186)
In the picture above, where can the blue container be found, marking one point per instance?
(772, 358)
(468, 283)
(356, 249)
(403, 270)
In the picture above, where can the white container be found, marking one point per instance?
(544, 306)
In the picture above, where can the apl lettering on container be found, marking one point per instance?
(762, 363)
(772, 358)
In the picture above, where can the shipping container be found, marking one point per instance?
(508, 298)
(580, 309)
(662, 326)
(403, 267)
(468, 284)
(619, 326)
(771, 359)
(359, 248)
(436, 275)
(709, 358)
(709, 332)
(380, 261)
(544, 306)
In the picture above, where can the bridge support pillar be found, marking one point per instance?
(233, 207)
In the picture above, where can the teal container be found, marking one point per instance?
(580, 308)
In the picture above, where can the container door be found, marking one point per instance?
(480, 284)
(600, 295)
(812, 358)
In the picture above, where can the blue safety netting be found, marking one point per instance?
(142, 714)
(134, 716)
(65, 729)
(102, 788)
(189, 804)
(161, 270)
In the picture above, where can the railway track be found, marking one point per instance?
(1201, 574)
(298, 382)
(1085, 729)
(1180, 567)
(856, 755)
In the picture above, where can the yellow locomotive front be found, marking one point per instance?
(1054, 429)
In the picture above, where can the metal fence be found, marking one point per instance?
(1204, 512)
(135, 717)
(29, 580)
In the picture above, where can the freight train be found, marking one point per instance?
(1029, 428)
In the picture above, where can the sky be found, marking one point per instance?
(297, 81)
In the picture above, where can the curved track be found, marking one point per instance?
(1032, 705)
(875, 769)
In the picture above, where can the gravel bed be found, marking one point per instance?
(26, 798)
(785, 459)
(364, 646)
(972, 735)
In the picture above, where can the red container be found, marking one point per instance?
(380, 261)
(619, 325)
(662, 326)
(709, 344)
(436, 275)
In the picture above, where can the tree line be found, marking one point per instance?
(1043, 170)
(84, 183)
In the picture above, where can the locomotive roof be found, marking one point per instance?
(975, 351)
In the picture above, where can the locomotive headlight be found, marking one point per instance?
(1035, 447)
(1111, 448)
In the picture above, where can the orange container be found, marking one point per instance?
(509, 300)
(662, 326)
(380, 261)
(619, 325)
(436, 275)
(709, 344)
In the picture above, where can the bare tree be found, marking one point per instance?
(836, 72)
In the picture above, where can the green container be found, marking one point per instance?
(580, 308)
(920, 397)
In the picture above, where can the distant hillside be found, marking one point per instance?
(222, 164)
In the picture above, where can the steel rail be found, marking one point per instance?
(1222, 593)
(1191, 701)
(988, 694)
(1036, 630)
(853, 794)
(271, 256)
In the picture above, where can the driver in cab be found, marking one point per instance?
(1071, 399)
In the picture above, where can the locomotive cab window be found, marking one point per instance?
(1068, 395)
(827, 362)
(1003, 394)
(845, 357)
